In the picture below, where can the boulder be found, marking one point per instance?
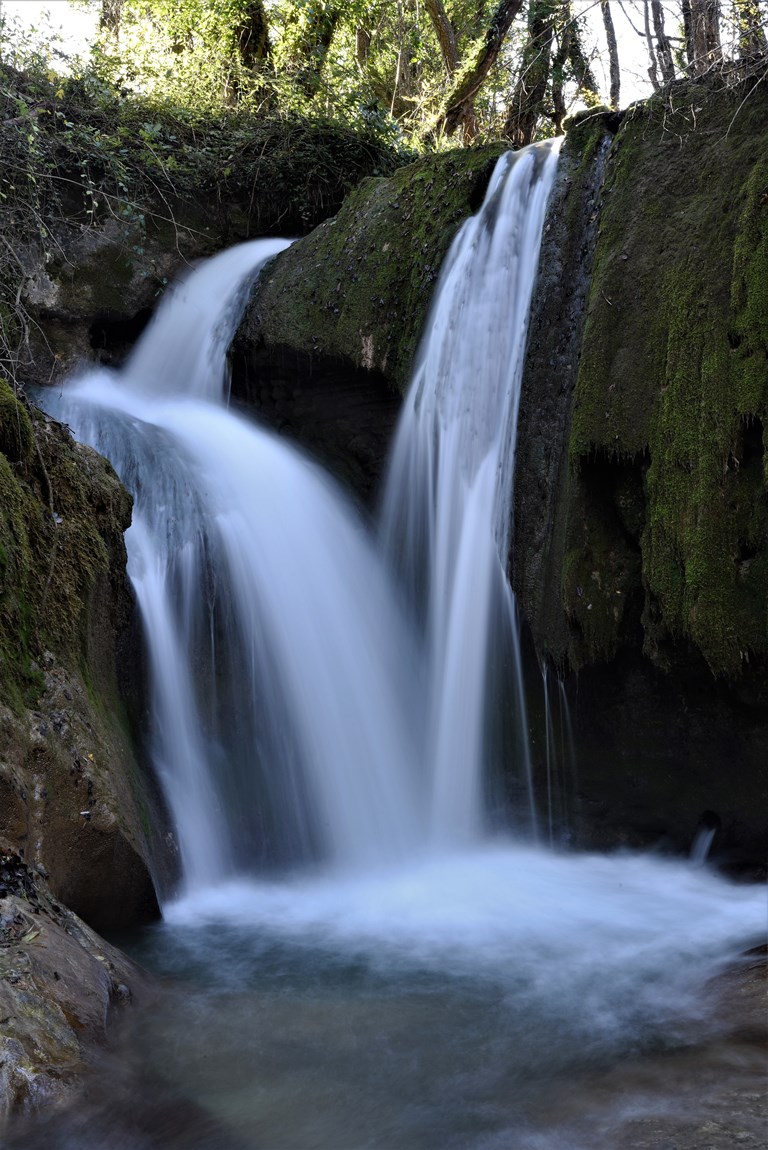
(60, 986)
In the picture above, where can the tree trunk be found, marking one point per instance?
(111, 11)
(459, 102)
(663, 46)
(653, 70)
(690, 47)
(613, 53)
(446, 36)
(362, 46)
(403, 86)
(314, 47)
(528, 98)
(705, 18)
(253, 35)
(558, 77)
(582, 69)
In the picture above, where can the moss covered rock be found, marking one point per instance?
(666, 443)
(72, 801)
(359, 287)
(16, 438)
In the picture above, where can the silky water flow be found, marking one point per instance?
(363, 959)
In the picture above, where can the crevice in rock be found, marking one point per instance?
(342, 415)
(113, 334)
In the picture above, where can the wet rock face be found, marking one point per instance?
(642, 482)
(60, 986)
(549, 381)
(70, 806)
(92, 299)
(343, 416)
(663, 754)
(673, 386)
(72, 797)
(643, 495)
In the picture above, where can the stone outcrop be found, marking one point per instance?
(92, 296)
(109, 199)
(666, 491)
(642, 501)
(358, 288)
(325, 351)
(60, 986)
(76, 816)
(551, 371)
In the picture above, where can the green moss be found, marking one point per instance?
(675, 361)
(350, 289)
(52, 557)
(595, 578)
(586, 133)
(19, 514)
(601, 567)
(585, 130)
(16, 439)
(749, 289)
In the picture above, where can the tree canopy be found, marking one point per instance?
(420, 71)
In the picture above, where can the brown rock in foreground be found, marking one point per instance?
(60, 985)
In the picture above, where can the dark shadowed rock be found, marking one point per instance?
(60, 985)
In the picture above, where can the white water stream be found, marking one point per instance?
(447, 515)
(316, 713)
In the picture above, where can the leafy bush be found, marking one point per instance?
(80, 148)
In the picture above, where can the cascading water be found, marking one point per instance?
(447, 514)
(284, 680)
(293, 715)
(433, 986)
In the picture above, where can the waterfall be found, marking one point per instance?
(361, 962)
(285, 684)
(297, 713)
(447, 515)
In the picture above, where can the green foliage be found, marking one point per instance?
(369, 64)
(364, 62)
(75, 150)
(187, 54)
